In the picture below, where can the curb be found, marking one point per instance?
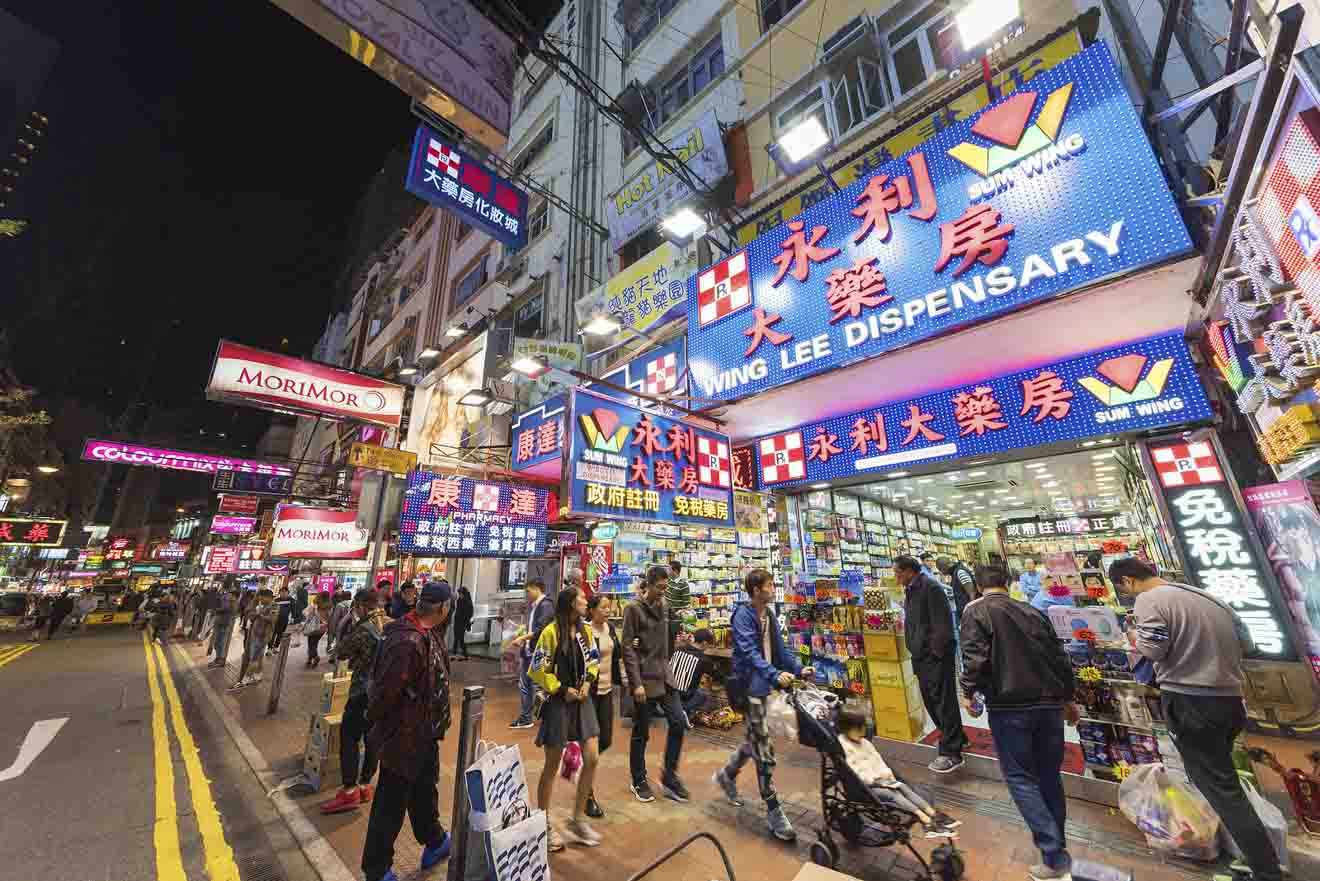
(324, 859)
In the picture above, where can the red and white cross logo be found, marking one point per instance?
(444, 158)
(661, 374)
(486, 497)
(1186, 464)
(724, 289)
(713, 463)
(783, 458)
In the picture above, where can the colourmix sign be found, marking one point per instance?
(1053, 188)
(178, 460)
(270, 381)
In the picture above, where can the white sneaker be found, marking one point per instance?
(582, 831)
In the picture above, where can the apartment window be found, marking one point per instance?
(639, 247)
(470, 283)
(642, 29)
(415, 278)
(527, 320)
(851, 94)
(914, 47)
(700, 71)
(774, 10)
(538, 221)
(539, 145)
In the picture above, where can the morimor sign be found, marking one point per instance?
(317, 534)
(270, 381)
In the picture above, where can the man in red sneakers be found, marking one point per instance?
(358, 648)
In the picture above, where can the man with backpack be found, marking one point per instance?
(409, 713)
(1196, 644)
(358, 647)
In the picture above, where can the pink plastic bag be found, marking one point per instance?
(571, 761)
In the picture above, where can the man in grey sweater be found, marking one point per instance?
(1196, 643)
(646, 659)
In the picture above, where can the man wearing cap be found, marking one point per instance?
(409, 714)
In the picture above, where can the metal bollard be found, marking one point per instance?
(469, 735)
(277, 679)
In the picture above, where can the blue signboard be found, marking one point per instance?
(538, 433)
(452, 180)
(636, 465)
(1052, 188)
(445, 516)
(1143, 384)
(660, 371)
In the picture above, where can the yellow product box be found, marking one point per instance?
(903, 701)
(890, 674)
(324, 733)
(899, 726)
(334, 693)
(885, 647)
(322, 771)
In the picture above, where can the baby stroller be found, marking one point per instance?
(850, 808)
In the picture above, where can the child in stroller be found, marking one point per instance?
(865, 761)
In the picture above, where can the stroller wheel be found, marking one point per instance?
(821, 855)
(946, 863)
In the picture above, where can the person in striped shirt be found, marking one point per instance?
(678, 597)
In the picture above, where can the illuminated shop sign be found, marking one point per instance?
(1289, 525)
(32, 533)
(1050, 189)
(1048, 527)
(446, 516)
(225, 524)
(744, 467)
(121, 549)
(538, 434)
(261, 484)
(625, 462)
(171, 551)
(1144, 384)
(317, 533)
(1215, 546)
(452, 180)
(232, 504)
(173, 460)
(659, 371)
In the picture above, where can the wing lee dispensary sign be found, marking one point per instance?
(1049, 189)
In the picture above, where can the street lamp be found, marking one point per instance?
(474, 398)
(48, 469)
(601, 325)
(804, 144)
(980, 20)
(455, 331)
(408, 370)
(529, 366)
(429, 352)
(682, 225)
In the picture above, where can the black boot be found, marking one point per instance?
(594, 810)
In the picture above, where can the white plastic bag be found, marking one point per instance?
(1175, 817)
(780, 717)
(495, 781)
(521, 851)
(1275, 824)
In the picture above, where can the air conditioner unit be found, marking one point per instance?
(847, 36)
(510, 268)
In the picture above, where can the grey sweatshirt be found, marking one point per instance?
(1195, 642)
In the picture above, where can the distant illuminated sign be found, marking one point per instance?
(174, 460)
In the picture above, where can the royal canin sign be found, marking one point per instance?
(316, 533)
(270, 381)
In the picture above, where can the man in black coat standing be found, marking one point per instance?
(928, 628)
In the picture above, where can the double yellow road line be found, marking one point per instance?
(10, 653)
(219, 856)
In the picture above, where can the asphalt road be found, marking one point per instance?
(138, 781)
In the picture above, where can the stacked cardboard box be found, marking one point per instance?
(321, 757)
(895, 695)
(334, 693)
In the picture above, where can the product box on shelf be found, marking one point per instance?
(900, 726)
(890, 674)
(334, 693)
(886, 647)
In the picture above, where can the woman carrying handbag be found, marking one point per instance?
(314, 625)
(611, 674)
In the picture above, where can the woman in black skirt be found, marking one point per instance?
(611, 676)
(567, 669)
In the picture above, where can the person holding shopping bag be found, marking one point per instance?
(566, 664)
(611, 674)
(315, 621)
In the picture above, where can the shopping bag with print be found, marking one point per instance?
(521, 852)
(496, 781)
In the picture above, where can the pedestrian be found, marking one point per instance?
(404, 600)
(163, 617)
(463, 611)
(358, 648)
(315, 622)
(262, 616)
(687, 665)
(223, 624)
(566, 663)
(959, 576)
(678, 597)
(341, 618)
(86, 605)
(874, 772)
(761, 662)
(284, 611)
(602, 691)
(61, 609)
(300, 601)
(42, 607)
(1029, 581)
(1196, 644)
(928, 630)
(1015, 662)
(245, 600)
(540, 612)
(408, 707)
(646, 656)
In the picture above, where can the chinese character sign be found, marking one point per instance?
(32, 533)
(538, 436)
(1144, 384)
(1289, 527)
(639, 465)
(452, 180)
(1216, 547)
(658, 372)
(447, 516)
(1052, 188)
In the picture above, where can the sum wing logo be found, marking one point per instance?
(602, 430)
(1019, 146)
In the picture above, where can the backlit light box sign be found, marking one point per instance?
(636, 465)
(261, 484)
(225, 524)
(221, 559)
(26, 532)
(1218, 553)
(446, 516)
(270, 381)
(538, 434)
(1050, 189)
(317, 533)
(450, 179)
(1143, 384)
(174, 460)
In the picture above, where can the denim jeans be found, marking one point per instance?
(220, 637)
(643, 712)
(526, 689)
(1030, 748)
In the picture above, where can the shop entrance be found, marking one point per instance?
(1054, 523)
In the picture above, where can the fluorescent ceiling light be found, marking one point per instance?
(47, 469)
(1106, 467)
(980, 20)
(803, 139)
(601, 325)
(1090, 443)
(1107, 455)
(894, 474)
(1039, 465)
(926, 480)
(1001, 492)
(429, 352)
(953, 476)
(683, 223)
(975, 473)
(820, 486)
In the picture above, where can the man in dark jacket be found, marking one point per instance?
(928, 628)
(357, 647)
(646, 658)
(961, 579)
(463, 612)
(409, 712)
(540, 612)
(761, 662)
(403, 600)
(1012, 657)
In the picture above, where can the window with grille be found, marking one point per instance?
(914, 47)
(471, 283)
(706, 66)
(774, 10)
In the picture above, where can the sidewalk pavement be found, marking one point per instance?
(996, 844)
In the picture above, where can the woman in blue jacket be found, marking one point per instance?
(761, 662)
